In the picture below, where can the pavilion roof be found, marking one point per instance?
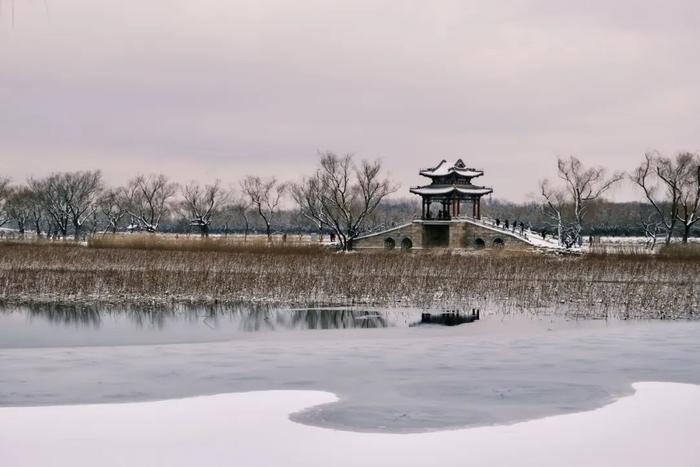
(447, 190)
(447, 167)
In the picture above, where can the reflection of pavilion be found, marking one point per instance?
(451, 185)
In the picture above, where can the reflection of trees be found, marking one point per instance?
(66, 315)
(268, 318)
(245, 316)
(148, 317)
(259, 317)
(336, 319)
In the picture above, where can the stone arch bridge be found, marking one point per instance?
(463, 233)
(442, 223)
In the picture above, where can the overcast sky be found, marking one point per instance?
(204, 89)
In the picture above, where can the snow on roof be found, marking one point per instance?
(447, 167)
(450, 189)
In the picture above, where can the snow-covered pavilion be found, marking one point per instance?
(450, 187)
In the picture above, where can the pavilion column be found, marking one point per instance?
(474, 208)
(422, 208)
(478, 208)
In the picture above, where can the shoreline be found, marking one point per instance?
(562, 309)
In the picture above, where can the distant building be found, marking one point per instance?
(450, 216)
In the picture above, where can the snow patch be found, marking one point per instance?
(658, 425)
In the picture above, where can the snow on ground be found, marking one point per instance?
(641, 240)
(658, 425)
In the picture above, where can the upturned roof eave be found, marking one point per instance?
(430, 173)
(471, 190)
(457, 167)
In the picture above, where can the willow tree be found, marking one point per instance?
(69, 198)
(341, 195)
(114, 205)
(265, 196)
(149, 200)
(19, 207)
(201, 202)
(583, 185)
(5, 191)
(688, 212)
(82, 192)
(238, 212)
(554, 206)
(672, 187)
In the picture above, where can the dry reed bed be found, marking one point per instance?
(594, 285)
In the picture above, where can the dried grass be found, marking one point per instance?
(596, 285)
(681, 252)
(253, 244)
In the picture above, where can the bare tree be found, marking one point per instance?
(5, 191)
(342, 195)
(36, 213)
(554, 206)
(50, 194)
(239, 211)
(82, 190)
(651, 226)
(19, 207)
(264, 196)
(689, 188)
(149, 197)
(647, 176)
(671, 187)
(583, 186)
(22, 205)
(69, 198)
(114, 204)
(200, 202)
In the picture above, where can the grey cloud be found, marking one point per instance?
(200, 88)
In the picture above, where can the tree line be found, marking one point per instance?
(347, 197)
(341, 196)
(670, 185)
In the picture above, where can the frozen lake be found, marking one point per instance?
(389, 377)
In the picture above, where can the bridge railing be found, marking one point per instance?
(527, 233)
